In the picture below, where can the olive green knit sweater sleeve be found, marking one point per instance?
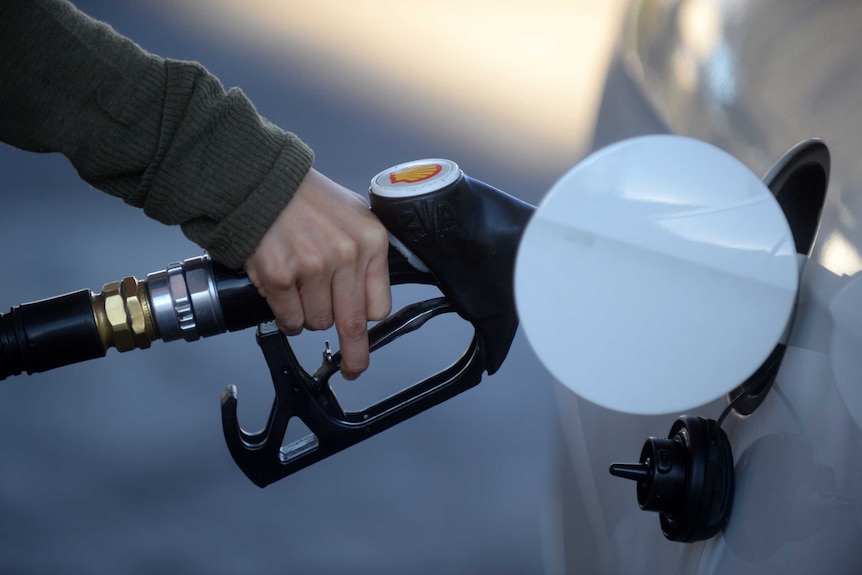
(163, 135)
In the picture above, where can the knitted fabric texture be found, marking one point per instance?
(161, 134)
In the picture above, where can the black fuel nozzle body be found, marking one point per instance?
(467, 234)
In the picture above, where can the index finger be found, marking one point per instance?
(351, 321)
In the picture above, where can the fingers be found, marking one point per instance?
(324, 260)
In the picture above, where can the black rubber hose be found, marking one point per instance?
(47, 334)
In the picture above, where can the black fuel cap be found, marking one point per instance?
(687, 478)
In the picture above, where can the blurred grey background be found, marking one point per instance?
(119, 465)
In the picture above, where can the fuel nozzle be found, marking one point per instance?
(465, 231)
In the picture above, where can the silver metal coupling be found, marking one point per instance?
(184, 301)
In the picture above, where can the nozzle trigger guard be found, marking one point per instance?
(263, 457)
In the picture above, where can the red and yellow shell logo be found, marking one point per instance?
(415, 174)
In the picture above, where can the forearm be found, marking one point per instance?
(161, 134)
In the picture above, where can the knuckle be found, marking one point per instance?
(352, 329)
(312, 264)
(346, 250)
(375, 236)
(275, 278)
(279, 282)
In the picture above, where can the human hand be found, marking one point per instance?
(324, 261)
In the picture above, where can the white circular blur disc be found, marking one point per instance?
(656, 276)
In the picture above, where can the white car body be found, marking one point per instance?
(753, 78)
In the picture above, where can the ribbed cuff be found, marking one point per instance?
(232, 240)
(222, 171)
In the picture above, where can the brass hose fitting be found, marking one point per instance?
(123, 315)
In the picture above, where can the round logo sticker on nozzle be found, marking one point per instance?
(415, 174)
(415, 178)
